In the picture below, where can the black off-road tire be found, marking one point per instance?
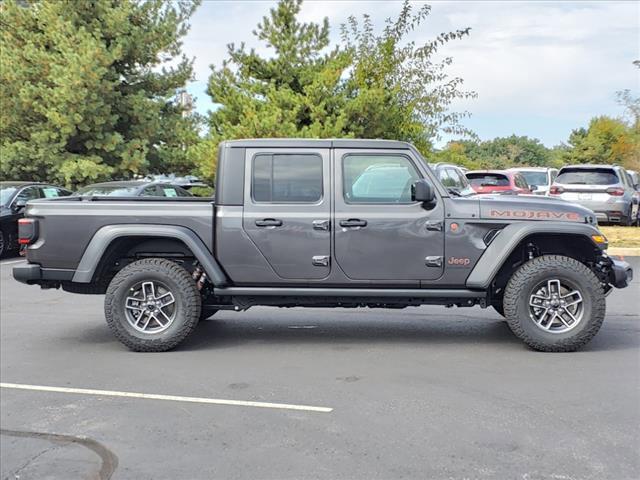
(183, 288)
(540, 269)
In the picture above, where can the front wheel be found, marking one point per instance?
(554, 304)
(152, 305)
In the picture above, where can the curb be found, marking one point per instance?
(626, 251)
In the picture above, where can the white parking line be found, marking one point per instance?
(13, 261)
(173, 398)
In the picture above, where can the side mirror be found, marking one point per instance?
(422, 191)
(18, 205)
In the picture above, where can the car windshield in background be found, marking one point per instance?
(581, 176)
(488, 180)
(108, 191)
(6, 194)
(535, 178)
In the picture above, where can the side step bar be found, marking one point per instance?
(349, 292)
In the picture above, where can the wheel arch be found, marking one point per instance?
(113, 240)
(509, 249)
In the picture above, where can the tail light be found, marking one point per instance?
(556, 190)
(615, 191)
(27, 231)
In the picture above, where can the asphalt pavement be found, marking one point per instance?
(417, 393)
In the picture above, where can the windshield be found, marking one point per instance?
(535, 178)
(6, 194)
(488, 180)
(114, 191)
(581, 176)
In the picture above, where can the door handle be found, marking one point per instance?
(353, 222)
(269, 222)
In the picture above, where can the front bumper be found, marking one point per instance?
(621, 274)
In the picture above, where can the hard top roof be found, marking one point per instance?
(314, 143)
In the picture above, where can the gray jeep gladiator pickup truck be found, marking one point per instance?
(324, 223)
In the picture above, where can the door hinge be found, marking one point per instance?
(321, 224)
(433, 261)
(435, 226)
(320, 260)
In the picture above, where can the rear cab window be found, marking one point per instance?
(587, 176)
(286, 178)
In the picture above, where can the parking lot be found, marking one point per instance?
(417, 393)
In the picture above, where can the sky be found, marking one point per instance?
(540, 68)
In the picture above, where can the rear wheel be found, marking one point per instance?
(152, 305)
(554, 304)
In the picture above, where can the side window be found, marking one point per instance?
(456, 181)
(150, 191)
(168, 191)
(29, 193)
(522, 183)
(49, 191)
(182, 192)
(447, 179)
(378, 178)
(287, 178)
(554, 174)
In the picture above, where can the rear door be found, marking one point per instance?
(287, 206)
(380, 234)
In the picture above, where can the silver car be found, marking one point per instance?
(605, 189)
(539, 179)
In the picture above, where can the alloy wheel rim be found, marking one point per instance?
(150, 307)
(1, 241)
(556, 306)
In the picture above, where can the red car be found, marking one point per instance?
(498, 181)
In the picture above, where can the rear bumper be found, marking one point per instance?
(29, 273)
(32, 273)
(621, 274)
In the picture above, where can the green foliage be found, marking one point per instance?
(397, 89)
(86, 90)
(506, 152)
(606, 141)
(373, 86)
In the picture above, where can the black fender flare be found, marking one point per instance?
(510, 237)
(106, 235)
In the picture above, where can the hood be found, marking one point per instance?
(532, 207)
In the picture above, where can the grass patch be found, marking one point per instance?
(622, 236)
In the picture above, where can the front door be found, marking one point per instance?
(380, 234)
(287, 212)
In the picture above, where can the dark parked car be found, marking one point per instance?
(13, 198)
(310, 223)
(133, 188)
(498, 181)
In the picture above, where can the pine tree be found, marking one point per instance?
(87, 88)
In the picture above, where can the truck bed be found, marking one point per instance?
(67, 224)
